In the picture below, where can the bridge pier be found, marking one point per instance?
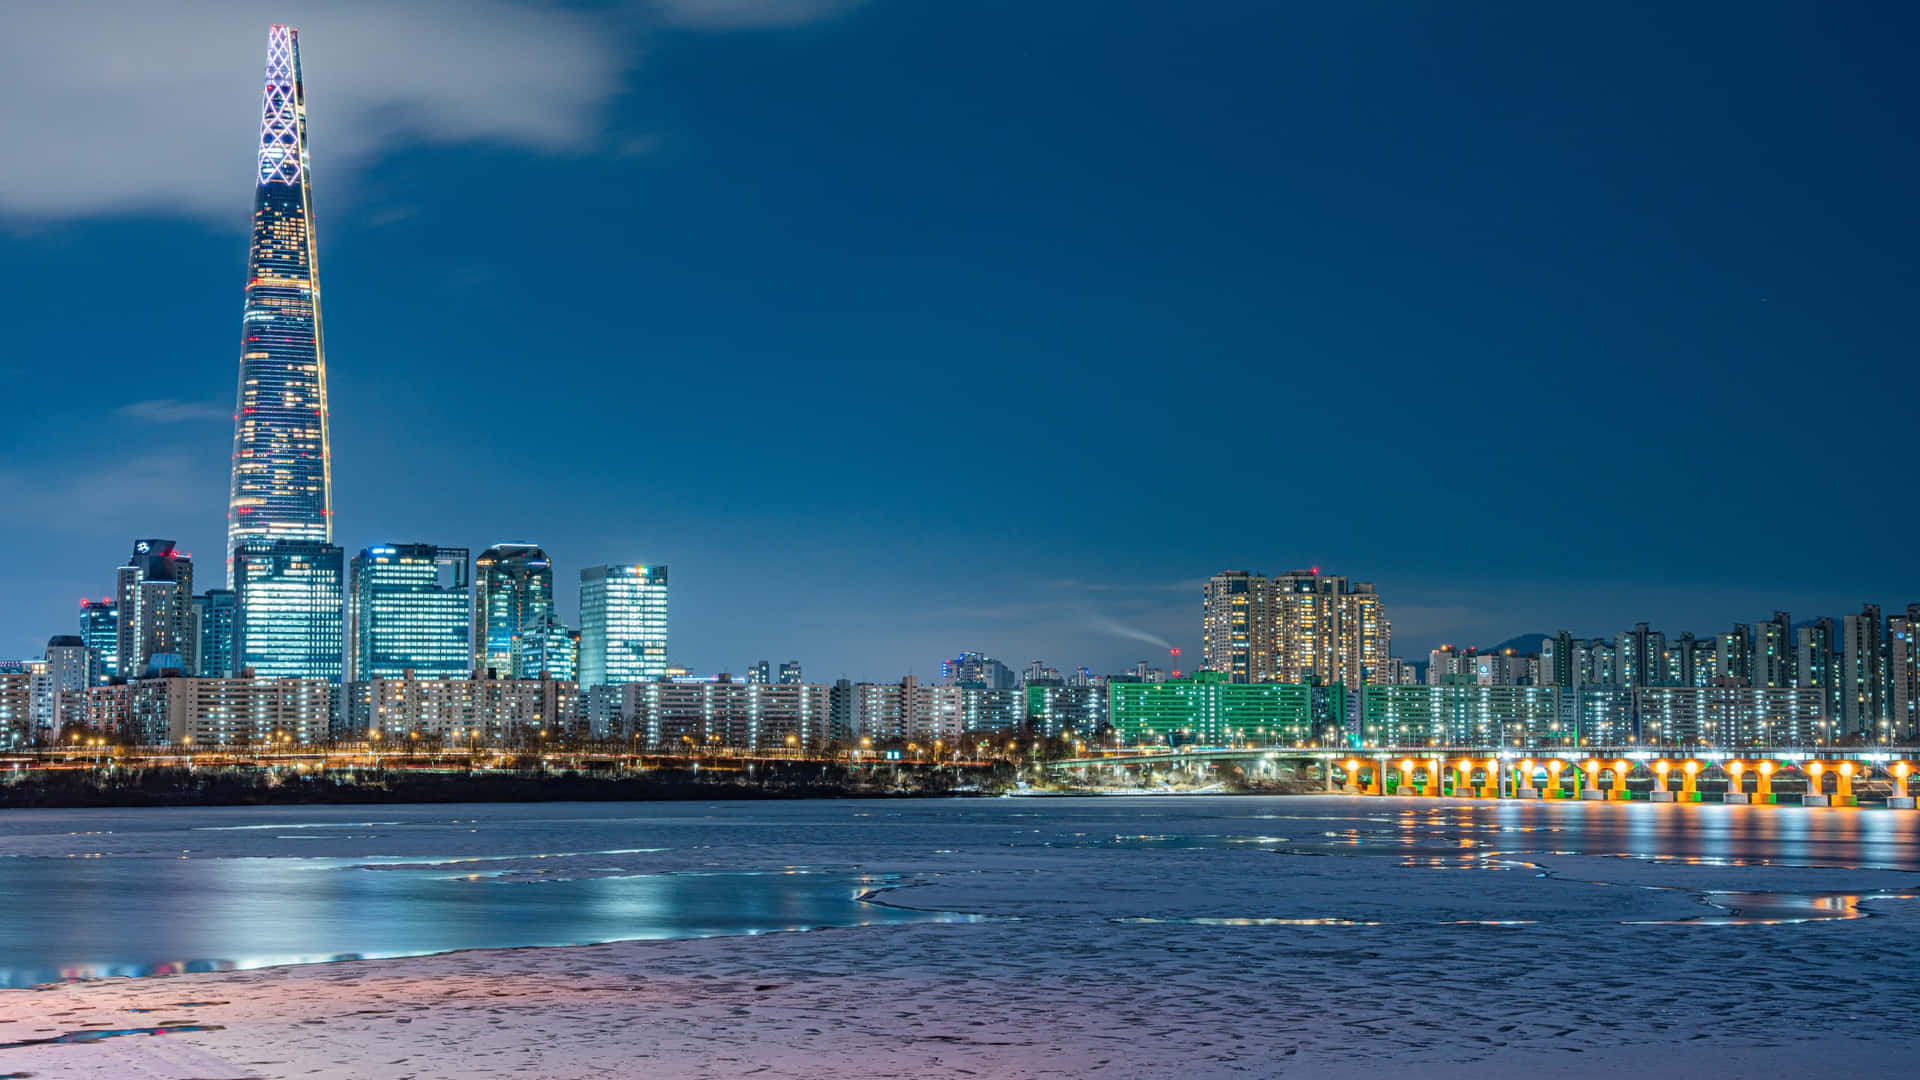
(1734, 792)
(1900, 799)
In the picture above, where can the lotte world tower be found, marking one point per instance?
(281, 562)
(282, 467)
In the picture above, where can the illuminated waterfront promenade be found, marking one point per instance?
(1810, 776)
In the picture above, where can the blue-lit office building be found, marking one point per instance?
(547, 651)
(513, 593)
(408, 613)
(100, 630)
(287, 621)
(213, 627)
(623, 624)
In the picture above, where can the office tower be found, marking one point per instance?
(547, 650)
(1863, 673)
(1773, 658)
(154, 597)
(790, 673)
(759, 673)
(513, 592)
(408, 613)
(282, 464)
(1236, 637)
(286, 601)
(100, 629)
(623, 624)
(977, 669)
(213, 628)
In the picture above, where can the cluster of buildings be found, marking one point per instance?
(1305, 658)
(409, 641)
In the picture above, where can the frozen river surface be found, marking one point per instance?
(1148, 936)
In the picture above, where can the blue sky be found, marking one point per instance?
(898, 329)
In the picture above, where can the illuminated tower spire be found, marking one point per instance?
(282, 464)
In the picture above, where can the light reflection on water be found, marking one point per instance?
(136, 892)
(131, 916)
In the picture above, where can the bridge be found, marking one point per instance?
(1809, 776)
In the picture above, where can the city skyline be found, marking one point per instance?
(1583, 533)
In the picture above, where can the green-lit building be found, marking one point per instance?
(1208, 710)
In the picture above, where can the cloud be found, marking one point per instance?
(747, 14)
(1193, 585)
(169, 411)
(156, 490)
(128, 106)
(131, 106)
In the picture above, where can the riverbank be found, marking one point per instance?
(361, 787)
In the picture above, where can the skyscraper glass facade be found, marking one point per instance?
(623, 624)
(408, 612)
(100, 629)
(513, 593)
(546, 651)
(287, 609)
(282, 465)
(213, 620)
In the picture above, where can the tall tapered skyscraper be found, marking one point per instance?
(282, 465)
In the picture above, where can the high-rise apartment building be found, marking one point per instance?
(154, 598)
(623, 624)
(1557, 663)
(1640, 657)
(1813, 661)
(1863, 672)
(759, 673)
(408, 612)
(1733, 657)
(790, 673)
(282, 463)
(72, 667)
(286, 622)
(1296, 627)
(513, 593)
(1903, 676)
(1773, 654)
(1236, 626)
(100, 629)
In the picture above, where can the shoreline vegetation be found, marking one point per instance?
(181, 785)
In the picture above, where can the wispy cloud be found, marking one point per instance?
(169, 411)
(127, 106)
(1192, 586)
(146, 490)
(746, 14)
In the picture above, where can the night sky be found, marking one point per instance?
(901, 328)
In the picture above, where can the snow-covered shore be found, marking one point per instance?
(1104, 953)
